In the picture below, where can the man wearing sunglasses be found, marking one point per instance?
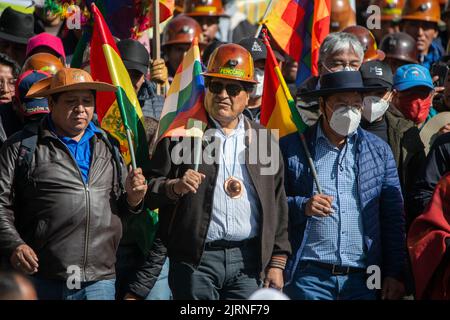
(225, 224)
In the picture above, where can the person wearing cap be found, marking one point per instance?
(259, 54)
(356, 219)
(46, 43)
(177, 38)
(136, 60)
(420, 19)
(225, 224)
(339, 51)
(410, 108)
(207, 13)
(9, 120)
(377, 75)
(15, 30)
(61, 217)
(32, 110)
(391, 12)
(400, 49)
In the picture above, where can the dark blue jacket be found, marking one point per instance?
(379, 194)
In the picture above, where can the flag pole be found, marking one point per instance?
(294, 112)
(156, 38)
(263, 19)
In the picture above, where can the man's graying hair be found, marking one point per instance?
(337, 42)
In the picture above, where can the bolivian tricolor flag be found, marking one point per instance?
(278, 110)
(121, 109)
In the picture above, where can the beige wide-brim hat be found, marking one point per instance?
(67, 79)
(429, 131)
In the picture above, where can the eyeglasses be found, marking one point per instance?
(232, 89)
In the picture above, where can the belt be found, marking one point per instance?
(336, 269)
(225, 244)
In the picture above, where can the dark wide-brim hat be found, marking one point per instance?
(16, 26)
(338, 82)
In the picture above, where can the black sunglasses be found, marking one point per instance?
(232, 89)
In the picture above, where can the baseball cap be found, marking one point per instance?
(134, 55)
(256, 48)
(31, 106)
(377, 74)
(412, 75)
(45, 40)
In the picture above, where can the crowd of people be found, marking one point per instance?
(363, 186)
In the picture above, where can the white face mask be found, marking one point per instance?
(258, 91)
(345, 120)
(374, 107)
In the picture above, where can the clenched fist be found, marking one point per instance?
(319, 205)
(190, 182)
(136, 187)
(158, 71)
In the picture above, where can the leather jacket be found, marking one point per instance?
(65, 221)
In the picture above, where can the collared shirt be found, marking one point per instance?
(337, 238)
(81, 150)
(233, 219)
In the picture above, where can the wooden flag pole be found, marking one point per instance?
(263, 19)
(156, 38)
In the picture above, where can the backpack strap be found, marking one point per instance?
(111, 143)
(28, 143)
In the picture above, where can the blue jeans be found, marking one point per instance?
(57, 290)
(161, 290)
(129, 258)
(312, 282)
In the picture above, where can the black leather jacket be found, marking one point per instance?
(64, 220)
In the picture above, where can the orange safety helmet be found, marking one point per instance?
(368, 43)
(342, 15)
(231, 61)
(182, 29)
(198, 8)
(44, 62)
(390, 9)
(425, 10)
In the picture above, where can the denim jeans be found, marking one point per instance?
(223, 274)
(312, 282)
(58, 290)
(161, 290)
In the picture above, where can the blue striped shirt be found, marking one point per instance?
(338, 238)
(233, 219)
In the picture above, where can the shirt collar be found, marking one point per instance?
(239, 128)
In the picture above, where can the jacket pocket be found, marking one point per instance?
(40, 233)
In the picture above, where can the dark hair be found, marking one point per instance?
(8, 61)
(247, 86)
(9, 288)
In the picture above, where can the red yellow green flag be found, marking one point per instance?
(120, 110)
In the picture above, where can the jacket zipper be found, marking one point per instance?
(88, 211)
